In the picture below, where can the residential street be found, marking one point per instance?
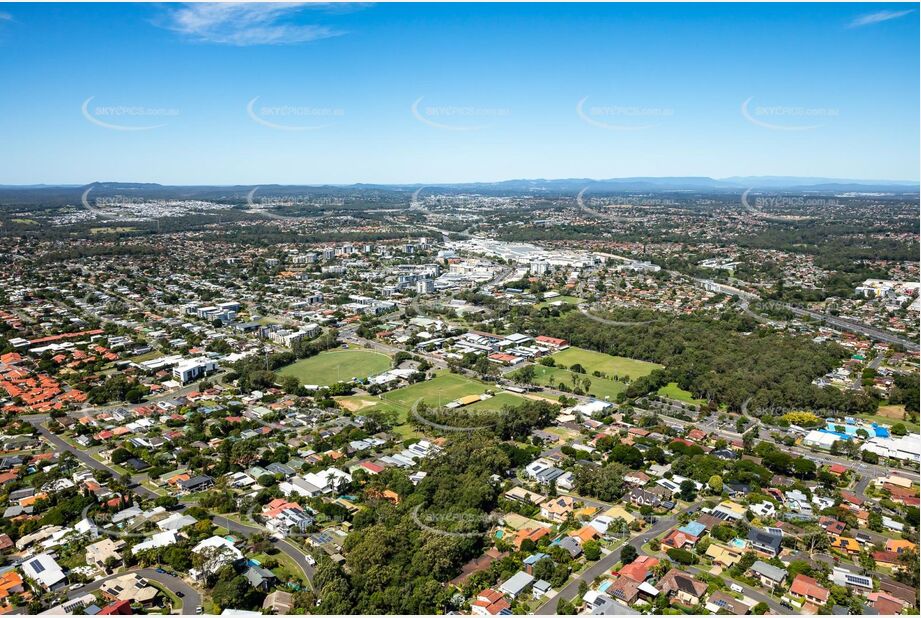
(191, 598)
(290, 549)
(605, 563)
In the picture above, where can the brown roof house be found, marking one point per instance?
(682, 587)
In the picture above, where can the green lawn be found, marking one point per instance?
(605, 363)
(497, 402)
(146, 357)
(171, 597)
(287, 568)
(888, 421)
(337, 365)
(601, 387)
(569, 300)
(673, 391)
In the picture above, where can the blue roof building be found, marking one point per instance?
(693, 528)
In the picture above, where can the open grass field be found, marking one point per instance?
(337, 365)
(497, 402)
(442, 389)
(601, 388)
(673, 391)
(111, 230)
(611, 365)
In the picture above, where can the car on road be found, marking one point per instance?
(199, 609)
(75, 587)
(180, 593)
(161, 571)
(310, 560)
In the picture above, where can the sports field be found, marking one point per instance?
(337, 366)
(605, 363)
(444, 388)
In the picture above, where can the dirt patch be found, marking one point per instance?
(896, 412)
(354, 405)
(540, 398)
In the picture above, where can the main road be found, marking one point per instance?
(839, 322)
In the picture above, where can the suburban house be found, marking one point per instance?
(100, 552)
(721, 603)
(490, 603)
(854, 581)
(808, 590)
(723, 555)
(766, 541)
(769, 575)
(682, 587)
(728, 510)
(557, 509)
(516, 584)
(46, 571)
(196, 483)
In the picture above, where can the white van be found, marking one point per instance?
(735, 588)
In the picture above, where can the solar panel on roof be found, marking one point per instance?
(37, 566)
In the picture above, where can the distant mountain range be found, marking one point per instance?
(23, 194)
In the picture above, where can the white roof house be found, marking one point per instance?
(217, 552)
(160, 539)
(516, 584)
(328, 480)
(44, 570)
(176, 521)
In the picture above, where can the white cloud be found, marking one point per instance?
(875, 18)
(245, 24)
(5, 16)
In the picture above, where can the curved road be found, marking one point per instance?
(190, 600)
(292, 551)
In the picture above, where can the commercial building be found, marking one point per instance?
(193, 368)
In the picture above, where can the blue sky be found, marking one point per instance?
(257, 94)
